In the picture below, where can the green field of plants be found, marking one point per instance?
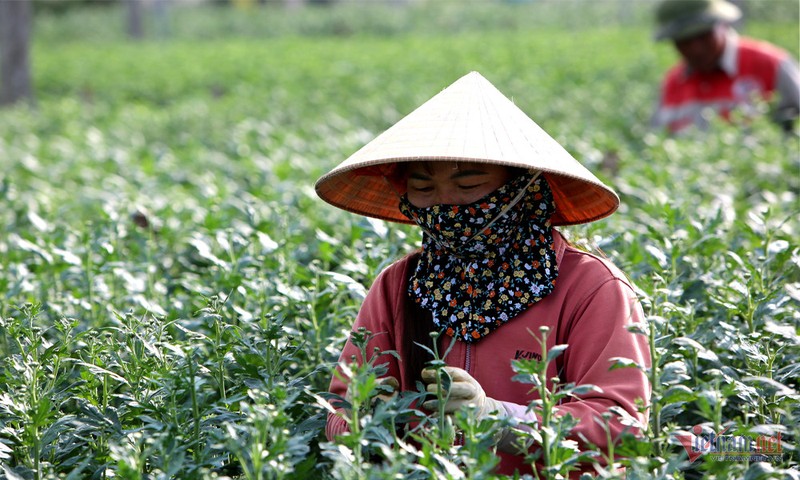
(174, 296)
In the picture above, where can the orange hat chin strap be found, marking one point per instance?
(507, 208)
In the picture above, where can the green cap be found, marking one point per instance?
(679, 19)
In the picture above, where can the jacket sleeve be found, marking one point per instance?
(377, 314)
(787, 84)
(597, 333)
(662, 114)
(658, 116)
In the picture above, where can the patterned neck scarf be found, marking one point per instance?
(483, 264)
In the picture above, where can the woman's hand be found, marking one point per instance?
(464, 391)
(386, 387)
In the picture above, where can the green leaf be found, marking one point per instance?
(11, 474)
(759, 471)
(674, 372)
(772, 387)
(677, 393)
(621, 362)
(555, 351)
(582, 390)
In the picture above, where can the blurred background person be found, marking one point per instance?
(720, 71)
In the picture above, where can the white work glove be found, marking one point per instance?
(466, 391)
(388, 387)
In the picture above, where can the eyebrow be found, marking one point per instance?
(455, 176)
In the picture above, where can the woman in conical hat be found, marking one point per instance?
(487, 185)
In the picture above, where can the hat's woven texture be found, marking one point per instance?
(469, 121)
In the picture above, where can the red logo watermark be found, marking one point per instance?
(731, 448)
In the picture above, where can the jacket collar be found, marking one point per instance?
(729, 61)
(559, 245)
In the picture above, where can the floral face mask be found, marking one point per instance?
(485, 263)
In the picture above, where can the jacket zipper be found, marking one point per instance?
(459, 440)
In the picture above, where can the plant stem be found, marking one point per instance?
(544, 396)
(87, 266)
(195, 407)
(221, 359)
(655, 405)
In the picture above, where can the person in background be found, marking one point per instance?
(720, 71)
(486, 186)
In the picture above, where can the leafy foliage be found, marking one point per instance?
(174, 296)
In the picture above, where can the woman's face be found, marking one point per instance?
(452, 183)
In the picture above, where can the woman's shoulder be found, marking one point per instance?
(397, 271)
(589, 268)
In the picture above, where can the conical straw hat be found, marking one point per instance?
(469, 121)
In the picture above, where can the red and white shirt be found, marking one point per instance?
(749, 71)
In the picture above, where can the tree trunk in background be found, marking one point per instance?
(135, 30)
(15, 66)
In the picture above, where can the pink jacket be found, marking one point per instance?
(589, 310)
